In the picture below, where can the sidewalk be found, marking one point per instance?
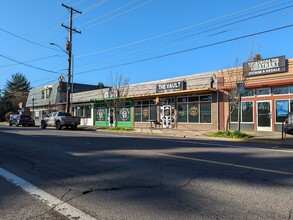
(258, 136)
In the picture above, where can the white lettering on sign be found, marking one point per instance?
(172, 86)
(266, 66)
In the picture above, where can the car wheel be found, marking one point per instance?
(43, 125)
(10, 124)
(58, 125)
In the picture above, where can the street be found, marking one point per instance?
(80, 174)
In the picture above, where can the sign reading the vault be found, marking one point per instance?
(265, 66)
(171, 87)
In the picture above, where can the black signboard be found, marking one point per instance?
(171, 87)
(265, 66)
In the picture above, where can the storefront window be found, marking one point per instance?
(84, 111)
(291, 89)
(193, 112)
(291, 105)
(205, 113)
(124, 114)
(282, 109)
(234, 114)
(194, 109)
(206, 98)
(101, 114)
(247, 111)
(263, 91)
(153, 112)
(281, 90)
(182, 112)
(137, 113)
(248, 92)
(145, 110)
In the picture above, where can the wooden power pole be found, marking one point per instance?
(69, 52)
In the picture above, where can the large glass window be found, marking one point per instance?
(137, 113)
(84, 111)
(101, 113)
(281, 90)
(263, 91)
(247, 111)
(145, 110)
(193, 112)
(205, 113)
(282, 109)
(234, 114)
(194, 109)
(182, 112)
(248, 92)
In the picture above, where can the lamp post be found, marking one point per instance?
(69, 54)
(33, 100)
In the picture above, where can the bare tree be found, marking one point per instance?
(232, 77)
(115, 98)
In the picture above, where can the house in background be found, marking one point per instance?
(43, 100)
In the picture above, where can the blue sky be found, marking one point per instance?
(117, 32)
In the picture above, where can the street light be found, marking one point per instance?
(33, 99)
(59, 47)
(68, 52)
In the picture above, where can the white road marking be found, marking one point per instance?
(56, 204)
(232, 146)
(227, 164)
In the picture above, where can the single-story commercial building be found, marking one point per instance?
(188, 102)
(205, 101)
(267, 98)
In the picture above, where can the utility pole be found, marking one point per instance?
(69, 52)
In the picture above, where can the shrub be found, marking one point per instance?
(119, 129)
(229, 134)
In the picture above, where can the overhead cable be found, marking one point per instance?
(188, 50)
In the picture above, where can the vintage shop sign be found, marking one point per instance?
(171, 87)
(265, 66)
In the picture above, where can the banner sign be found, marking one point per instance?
(282, 108)
(171, 87)
(265, 66)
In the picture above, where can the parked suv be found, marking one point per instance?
(288, 126)
(24, 120)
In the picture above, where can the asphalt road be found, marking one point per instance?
(44, 174)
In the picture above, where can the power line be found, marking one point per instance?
(205, 37)
(44, 58)
(122, 13)
(188, 50)
(44, 46)
(34, 67)
(176, 31)
(110, 12)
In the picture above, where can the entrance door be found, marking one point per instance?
(111, 117)
(264, 116)
(167, 116)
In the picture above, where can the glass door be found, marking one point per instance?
(264, 116)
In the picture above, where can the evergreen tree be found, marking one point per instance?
(15, 91)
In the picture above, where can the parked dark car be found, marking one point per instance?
(288, 126)
(24, 120)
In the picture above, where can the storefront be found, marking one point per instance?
(268, 95)
(193, 109)
(188, 102)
